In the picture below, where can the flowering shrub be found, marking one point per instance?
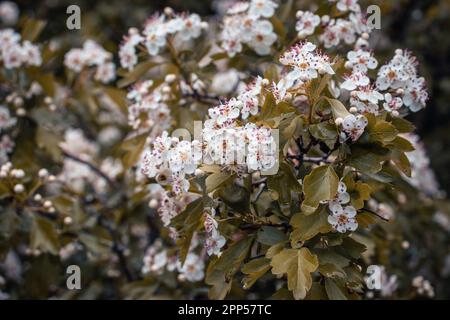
(262, 154)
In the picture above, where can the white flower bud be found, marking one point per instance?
(170, 78)
(325, 19)
(21, 112)
(37, 197)
(168, 11)
(51, 178)
(18, 101)
(51, 210)
(400, 91)
(153, 203)
(405, 245)
(204, 25)
(353, 110)
(166, 89)
(298, 14)
(18, 173)
(43, 173)
(133, 31)
(198, 172)
(3, 174)
(48, 100)
(67, 220)
(365, 36)
(19, 188)
(265, 82)
(348, 65)
(52, 107)
(48, 204)
(338, 121)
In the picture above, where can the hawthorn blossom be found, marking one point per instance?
(91, 55)
(154, 36)
(392, 104)
(14, 54)
(355, 80)
(306, 62)
(262, 8)
(400, 76)
(214, 240)
(306, 23)
(422, 176)
(353, 126)
(193, 269)
(348, 5)
(361, 61)
(6, 121)
(6, 147)
(343, 218)
(246, 23)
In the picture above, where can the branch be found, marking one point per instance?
(96, 170)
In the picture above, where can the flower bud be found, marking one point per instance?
(43, 173)
(153, 203)
(338, 121)
(353, 110)
(19, 188)
(170, 78)
(37, 197)
(67, 220)
(21, 112)
(48, 204)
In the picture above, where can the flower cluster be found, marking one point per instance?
(422, 176)
(400, 77)
(148, 110)
(343, 215)
(179, 27)
(246, 23)
(214, 240)
(307, 63)
(423, 287)
(92, 55)
(352, 29)
(157, 259)
(306, 23)
(14, 54)
(6, 147)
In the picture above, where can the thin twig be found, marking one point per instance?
(92, 167)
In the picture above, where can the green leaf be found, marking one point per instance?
(320, 185)
(297, 264)
(383, 131)
(215, 180)
(338, 109)
(188, 222)
(32, 29)
(270, 235)
(268, 107)
(334, 291)
(44, 236)
(220, 271)
(254, 270)
(140, 70)
(308, 226)
(133, 148)
(283, 183)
